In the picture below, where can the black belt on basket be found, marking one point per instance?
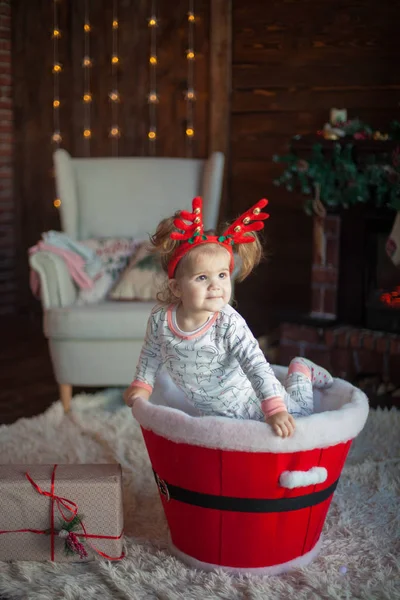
(249, 505)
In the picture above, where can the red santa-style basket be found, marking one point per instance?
(238, 497)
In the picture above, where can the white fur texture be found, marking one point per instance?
(295, 479)
(341, 413)
(361, 532)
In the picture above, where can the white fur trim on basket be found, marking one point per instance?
(342, 411)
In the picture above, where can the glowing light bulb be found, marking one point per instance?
(152, 135)
(56, 33)
(115, 131)
(114, 96)
(189, 131)
(87, 97)
(87, 133)
(191, 17)
(87, 27)
(57, 203)
(57, 137)
(153, 98)
(190, 54)
(87, 61)
(57, 68)
(115, 24)
(114, 59)
(56, 103)
(190, 94)
(153, 60)
(152, 22)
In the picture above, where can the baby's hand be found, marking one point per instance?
(282, 423)
(134, 392)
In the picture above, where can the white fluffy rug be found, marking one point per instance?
(359, 557)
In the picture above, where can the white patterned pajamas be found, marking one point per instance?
(220, 367)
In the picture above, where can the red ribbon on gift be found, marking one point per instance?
(73, 509)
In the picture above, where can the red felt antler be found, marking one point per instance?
(195, 218)
(191, 231)
(248, 221)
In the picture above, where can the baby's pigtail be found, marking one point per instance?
(162, 243)
(250, 255)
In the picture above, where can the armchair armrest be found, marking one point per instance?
(56, 286)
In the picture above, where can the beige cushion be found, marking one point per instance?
(103, 321)
(114, 254)
(142, 279)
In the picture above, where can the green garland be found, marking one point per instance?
(342, 182)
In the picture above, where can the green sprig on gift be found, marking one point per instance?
(340, 180)
(66, 530)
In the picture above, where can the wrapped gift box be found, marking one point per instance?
(37, 501)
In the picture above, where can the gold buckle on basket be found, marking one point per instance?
(162, 487)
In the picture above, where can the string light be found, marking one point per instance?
(115, 131)
(190, 94)
(152, 96)
(113, 95)
(56, 136)
(87, 94)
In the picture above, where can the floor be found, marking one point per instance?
(27, 384)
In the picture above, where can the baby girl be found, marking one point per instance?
(204, 345)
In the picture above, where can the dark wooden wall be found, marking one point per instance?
(289, 62)
(293, 60)
(32, 24)
(8, 217)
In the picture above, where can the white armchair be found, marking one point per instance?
(99, 344)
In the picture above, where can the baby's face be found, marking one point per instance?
(204, 286)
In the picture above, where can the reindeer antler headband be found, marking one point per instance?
(192, 233)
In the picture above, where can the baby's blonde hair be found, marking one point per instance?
(249, 254)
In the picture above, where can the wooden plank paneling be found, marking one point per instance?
(293, 62)
(220, 85)
(220, 82)
(32, 24)
(354, 98)
(298, 71)
(33, 126)
(8, 212)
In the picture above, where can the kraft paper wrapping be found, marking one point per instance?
(97, 491)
